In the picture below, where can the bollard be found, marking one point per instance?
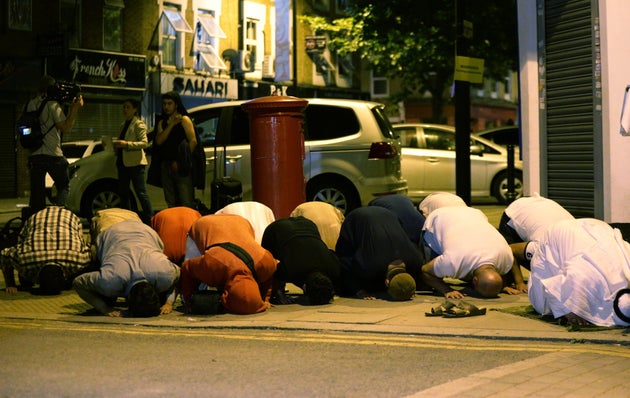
(277, 152)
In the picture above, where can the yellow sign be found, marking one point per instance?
(469, 69)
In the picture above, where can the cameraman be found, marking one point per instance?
(49, 158)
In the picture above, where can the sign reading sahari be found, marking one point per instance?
(199, 86)
(104, 69)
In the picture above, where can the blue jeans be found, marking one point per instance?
(135, 176)
(57, 167)
(178, 190)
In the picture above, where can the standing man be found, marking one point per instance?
(176, 142)
(49, 158)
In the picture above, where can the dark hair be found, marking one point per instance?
(45, 82)
(143, 300)
(135, 104)
(319, 288)
(172, 95)
(51, 279)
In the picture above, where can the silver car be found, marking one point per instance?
(351, 156)
(429, 163)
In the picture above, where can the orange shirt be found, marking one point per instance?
(172, 225)
(220, 268)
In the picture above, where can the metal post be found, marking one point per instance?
(462, 115)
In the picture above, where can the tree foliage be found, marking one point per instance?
(414, 40)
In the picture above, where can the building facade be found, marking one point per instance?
(206, 50)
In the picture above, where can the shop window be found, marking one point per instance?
(112, 25)
(205, 47)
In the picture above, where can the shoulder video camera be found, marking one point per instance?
(64, 92)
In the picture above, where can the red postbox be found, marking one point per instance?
(277, 152)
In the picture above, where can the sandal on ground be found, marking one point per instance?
(464, 309)
(441, 309)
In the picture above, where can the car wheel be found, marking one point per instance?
(334, 191)
(500, 186)
(103, 195)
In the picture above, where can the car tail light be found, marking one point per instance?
(382, 150)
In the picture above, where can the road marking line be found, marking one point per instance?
(468, 344)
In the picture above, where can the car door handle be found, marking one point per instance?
(433, 160)
(233, 158)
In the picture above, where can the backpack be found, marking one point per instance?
(29, 128)
(10, 232)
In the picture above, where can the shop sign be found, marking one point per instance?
(199, 86)
(103, 69)
(315, 44)
(111, 70)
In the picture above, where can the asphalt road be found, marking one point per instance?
(52, 359)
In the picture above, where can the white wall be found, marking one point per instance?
(615, 64)
(528, 74)
(615, 35)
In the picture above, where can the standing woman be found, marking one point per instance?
(131, 159)
(176, 142)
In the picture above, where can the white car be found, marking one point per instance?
(73, 151)
(351, 156)
(429, 163)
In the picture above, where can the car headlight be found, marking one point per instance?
(72, 169)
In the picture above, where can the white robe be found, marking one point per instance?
(464, 240)
(578, 268)
(258, 215)
(530, 215)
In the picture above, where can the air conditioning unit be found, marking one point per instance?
(246, 61)
(267, 66)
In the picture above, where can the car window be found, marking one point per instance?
(324, 122)
(439, 139)
(206, 123)
(383, 122)
(73, 151)
(97, 148)
(408, 137)
(485, 148)
(240, 127)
